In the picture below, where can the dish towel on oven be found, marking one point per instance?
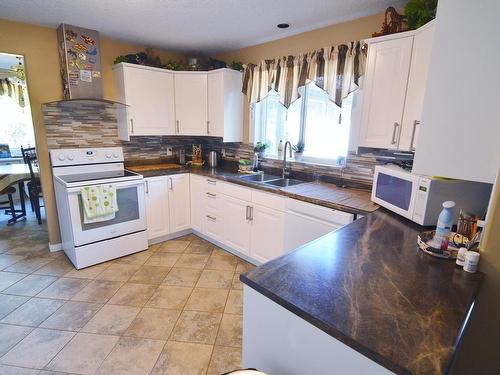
(99, 203)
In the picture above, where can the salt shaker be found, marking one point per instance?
(461, 256)
(471, 261)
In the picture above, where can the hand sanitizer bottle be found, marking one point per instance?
(280, 149)
(443, 228)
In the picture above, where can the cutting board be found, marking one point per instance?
(154, 167)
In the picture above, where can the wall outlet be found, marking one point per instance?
(170, 152)
(223, 152)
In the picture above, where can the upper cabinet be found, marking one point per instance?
(191, 104)
(225, 105)
(164, 102)
(394, 87)
(149, 93)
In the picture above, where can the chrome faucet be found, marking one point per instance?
(285, 173)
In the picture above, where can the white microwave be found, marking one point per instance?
(420, 198)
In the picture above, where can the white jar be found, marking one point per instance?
(461, 256)
(471, 261)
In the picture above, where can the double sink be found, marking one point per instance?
(271, 180)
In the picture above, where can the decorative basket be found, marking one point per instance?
(456, 241)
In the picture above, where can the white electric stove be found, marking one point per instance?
(87, 244)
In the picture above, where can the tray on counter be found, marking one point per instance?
(456, 241)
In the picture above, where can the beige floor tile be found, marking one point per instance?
(205, 248)
(29, 264)
(33, 312)
(58, 267)
(221, 262)
(6, 260)
(9, 303)
(243, 266)
(89, 272)
(37, 349)
(10, 336)
(205, 299)
(177, 359)
(9, 278)
(221, 252)
(196, 261)
(30, 286)
(234, 304)
(237, 284)
(182, 277)
(153, 323)
(13, 370)
(111, 320)
(215, 279)
(150, 275)
(64, 288)
(83, 354)
(138, 258)
(173, 246)
(195, 326)
(163, 259)
(98, 291)
(118, 272)
(133, 294)
(224, 359)
(170, 297)
(132, 356)
(230, 331)
(72, 316)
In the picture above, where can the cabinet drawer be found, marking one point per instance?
(213, 200)
(271, 200)
(238, 192)
(319, 212)
(213, 225)
(212, 184)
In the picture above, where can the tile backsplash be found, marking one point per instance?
(93, 124)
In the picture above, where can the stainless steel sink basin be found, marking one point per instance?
(262, 177)
(284, 182)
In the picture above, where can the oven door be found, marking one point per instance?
(130, 217)
(395, 190)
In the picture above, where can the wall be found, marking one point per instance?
(460, 128)
(39, 47)
(361, 28)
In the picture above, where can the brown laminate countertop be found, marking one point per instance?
(352, 200)
(367, 285)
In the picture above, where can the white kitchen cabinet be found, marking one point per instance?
(237, 226)
(157, 206)
(267, 233)
(213, 225)
(149, 94)
(225, 105)
(179, 201)
(197, 202)
(191, 103)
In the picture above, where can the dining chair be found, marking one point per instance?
(10, 209)
(34, 186)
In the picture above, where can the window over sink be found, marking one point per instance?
(313, 119)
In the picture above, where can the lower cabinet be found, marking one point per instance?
(157, 207)
(237, 227)
(267, 233)
(179, 201)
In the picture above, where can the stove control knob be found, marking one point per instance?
(108, 156)
(115, 155)
(61, 157)
(70, 157)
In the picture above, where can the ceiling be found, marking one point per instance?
(207, 26)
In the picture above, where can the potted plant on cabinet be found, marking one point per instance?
(298, 149)
(260, 148)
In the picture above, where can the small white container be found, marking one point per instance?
(461, 256)
(471, 261)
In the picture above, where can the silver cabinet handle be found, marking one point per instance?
(132, 125)
(147, 187)
(247, 213)
(211, 218)
(393, 140)
(178, 126)
(208, 127)
(213, 182)
(415, 123)
(212, 195)
(171, 183)
(251, 213)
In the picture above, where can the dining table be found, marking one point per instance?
(11, 174)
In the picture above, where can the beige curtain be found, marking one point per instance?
(333, 69)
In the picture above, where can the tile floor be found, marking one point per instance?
(172, 309)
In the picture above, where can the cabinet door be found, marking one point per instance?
(150, 96)
(178, 196)
(384, 93)
(197, 202)
(417, 83)
(267, 233)
(301, 229)
(191, 103)
(157, 208)
(237, 224)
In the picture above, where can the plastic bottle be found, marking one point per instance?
(443, 228)
(280, 149)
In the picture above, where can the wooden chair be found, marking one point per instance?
(34, 186)
(10, 209)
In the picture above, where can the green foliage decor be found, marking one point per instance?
(419, 12)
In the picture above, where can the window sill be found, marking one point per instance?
(332, 164)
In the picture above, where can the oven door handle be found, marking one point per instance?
(118, 185)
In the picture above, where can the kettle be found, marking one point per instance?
(213, 159)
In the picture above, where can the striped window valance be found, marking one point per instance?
(334, 69)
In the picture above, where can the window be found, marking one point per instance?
(312, 119)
